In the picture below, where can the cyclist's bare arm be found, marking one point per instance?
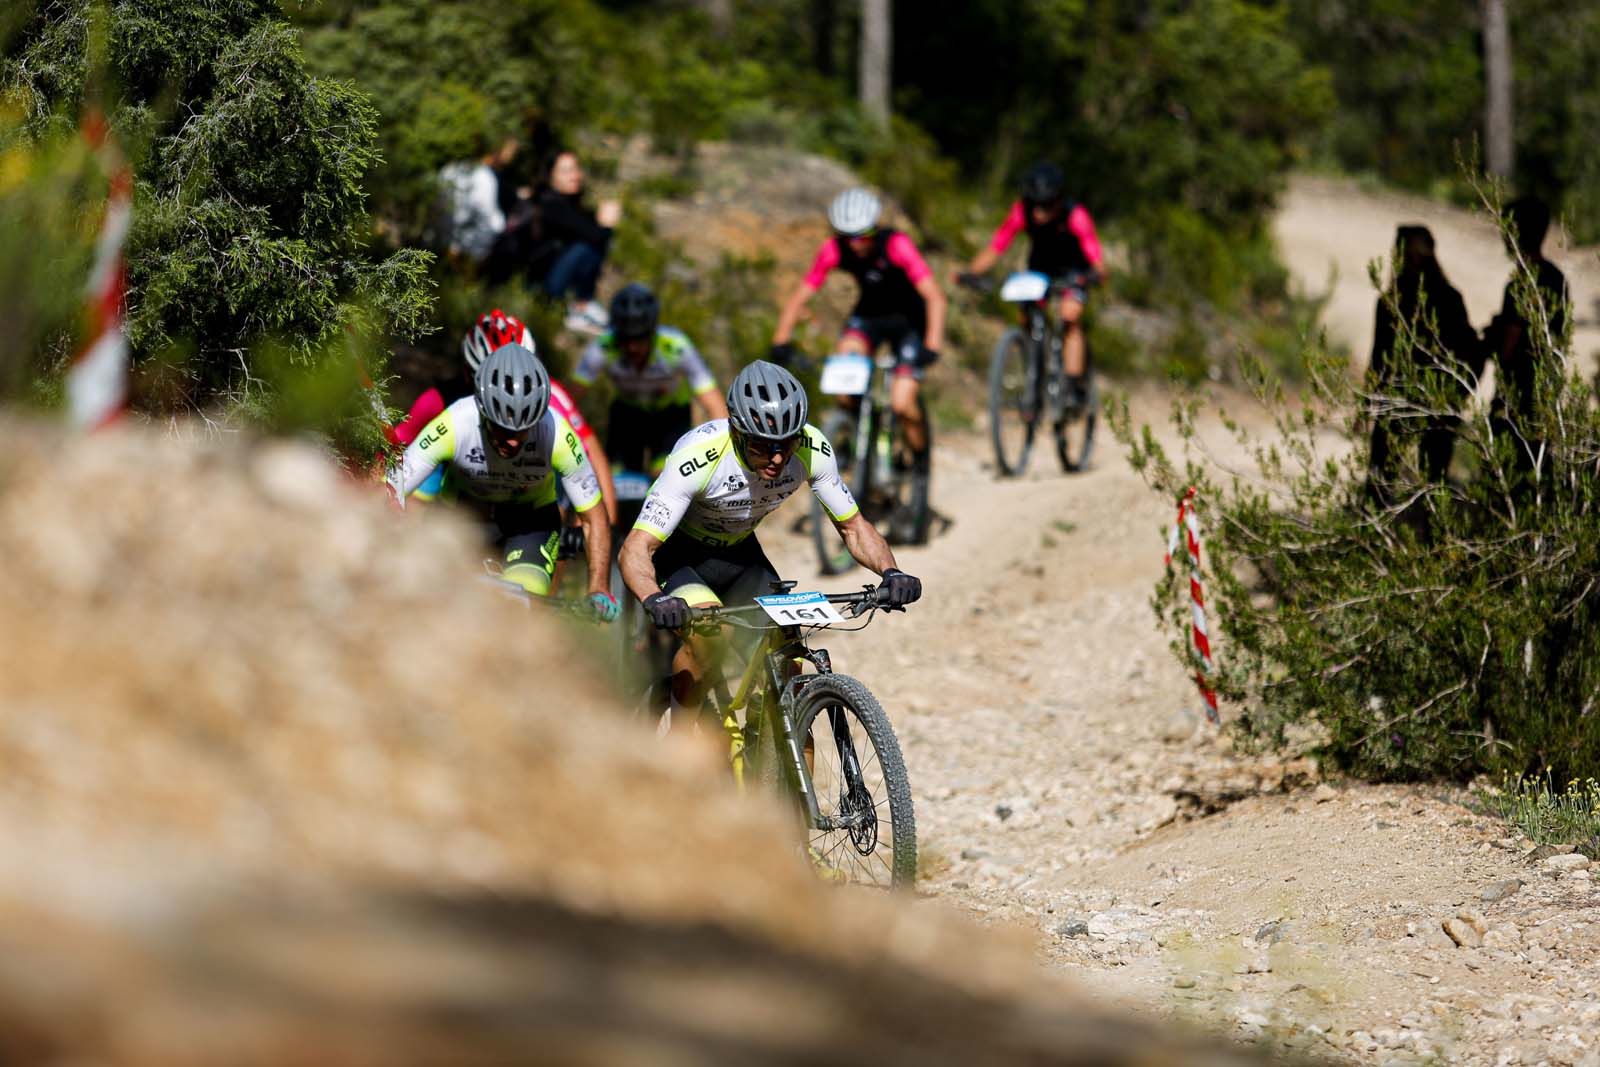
(713, 403)
(934, 297)
(597, 546)
(789, 316)
(865, 543)
(637, 561)
(984, 261)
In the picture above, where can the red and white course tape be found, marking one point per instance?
(1188, 526)
(97, 381)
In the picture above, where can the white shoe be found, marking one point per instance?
(590, 318)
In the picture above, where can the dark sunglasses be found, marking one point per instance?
(760, 449)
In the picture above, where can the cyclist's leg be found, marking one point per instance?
(530, 538)
(626, 439)
(662, 431)
(1073, 348)
(909, 368)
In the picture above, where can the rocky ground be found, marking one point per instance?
(1065, 785)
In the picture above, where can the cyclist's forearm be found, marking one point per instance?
(986, 258)
(597, 546)
(866, 544)
(790, 315)
(637, 561)
(715, 405)
(935, 299)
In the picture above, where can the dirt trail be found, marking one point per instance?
(1044, 727)
(1053, 751)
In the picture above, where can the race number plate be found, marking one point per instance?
(1025, 287)
(800, 609)
(631, 485)
(846, 375)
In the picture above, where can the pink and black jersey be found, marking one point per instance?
(887, 275)
(1061, 246)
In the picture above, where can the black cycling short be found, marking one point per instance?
(725, 574)
(901, 334)
(636, 436)
(529, 538)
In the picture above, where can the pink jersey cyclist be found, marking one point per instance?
(890, 308)
(1066, 244)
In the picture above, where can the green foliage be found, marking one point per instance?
(52, 191)
(249, 214)
(1409, 79)
(1429, 629)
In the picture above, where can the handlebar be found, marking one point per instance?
(978, 283)
(869, 599)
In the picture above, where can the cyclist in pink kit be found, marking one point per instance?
(1062, 244)
(900, 303)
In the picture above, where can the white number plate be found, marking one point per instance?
(631, 485)
(800, 609)
(1025, 287)
(846, 375)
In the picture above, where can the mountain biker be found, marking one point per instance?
(1061, 244)
(502, 450)
(900, 303)
(656, 372)
(493, 329)
(694, 544)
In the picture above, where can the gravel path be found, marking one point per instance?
(1061, 776)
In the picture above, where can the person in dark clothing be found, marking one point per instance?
(1423, 311)
(1513, 341)
(573, 244)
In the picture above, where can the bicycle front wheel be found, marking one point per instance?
(1013, 401)
(1075, 429)
(861, 787)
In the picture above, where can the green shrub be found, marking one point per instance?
(249, 217)
(1547, 814)
(1429, 629)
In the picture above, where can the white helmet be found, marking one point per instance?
(854, 212)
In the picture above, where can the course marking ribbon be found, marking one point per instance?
(1188, 526)
(97, 381)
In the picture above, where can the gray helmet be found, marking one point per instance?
(854, 212)
(513, 388)
(766, 401)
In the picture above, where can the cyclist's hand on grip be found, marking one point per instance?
(605, 606)
(784, 354)
(977, 282)
(667, 612)
(899, 588)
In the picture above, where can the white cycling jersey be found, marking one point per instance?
(455, 441)
(707, 491)
(673, 375)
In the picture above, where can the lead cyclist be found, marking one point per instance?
(694, 544)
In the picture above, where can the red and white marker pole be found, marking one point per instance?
(97, 380)
(1188, 527)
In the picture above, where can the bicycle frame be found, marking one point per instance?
(768, 694)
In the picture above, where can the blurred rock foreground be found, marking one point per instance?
(280, 784)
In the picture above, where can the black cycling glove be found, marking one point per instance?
(927, 357)
(783, 355)
(667, 612)
(900, 588)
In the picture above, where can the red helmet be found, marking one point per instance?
(490, 332)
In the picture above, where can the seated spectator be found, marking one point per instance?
(573, 243)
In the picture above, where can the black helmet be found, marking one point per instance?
(513, 388)
(1044, 184)
(635, 311)
(766, 401)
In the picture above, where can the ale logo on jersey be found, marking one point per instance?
(695, 463)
